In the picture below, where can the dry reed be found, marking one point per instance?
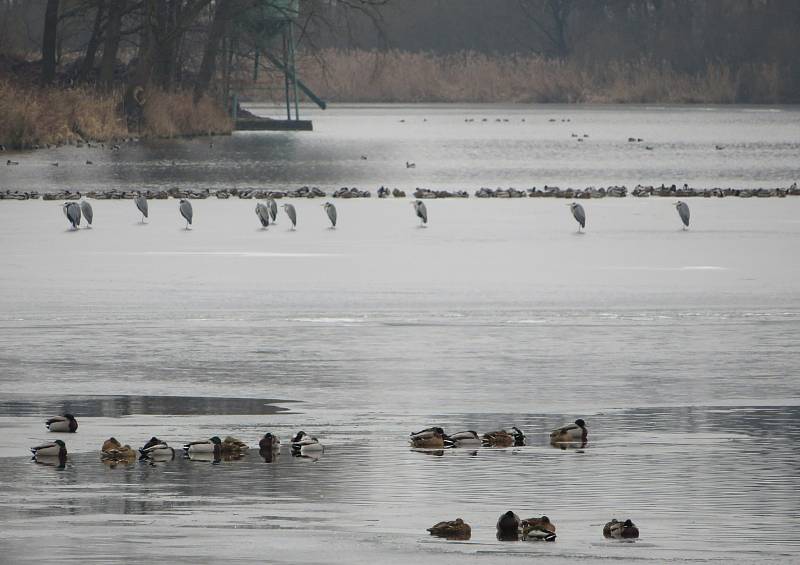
(31, 116)
(400, 76)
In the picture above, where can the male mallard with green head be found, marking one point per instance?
(65, 423)
(538, 529)
(620, 530)
(571, 433)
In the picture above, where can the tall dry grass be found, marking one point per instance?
(400, 76)
(171, 114)
(31, 116)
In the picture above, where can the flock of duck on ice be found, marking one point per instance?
(267, 212)
(509, 526)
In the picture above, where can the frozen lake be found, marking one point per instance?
(679, 349)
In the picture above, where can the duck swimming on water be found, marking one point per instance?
(65, 423)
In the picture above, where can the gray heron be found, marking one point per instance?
(421, 211)
(683, 212)
(263, 214)
(186, 211)
(141, 204)
(73, 213)
(292, 213)
(579, 214)
(273, 209)
(88, 213)
(330, 209)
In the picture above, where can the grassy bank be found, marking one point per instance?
(31, 116)
(398, 76)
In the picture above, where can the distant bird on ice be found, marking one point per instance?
(263, 214)
(73, 213)
(578, 214)
(186, 211)
(141, 204)
(273, 209)
(88, 213)
(421, 210)
(292, 213)
(683, 212)
(330, 209)
(410, 165)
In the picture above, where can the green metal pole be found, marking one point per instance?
(294, 71)
(286, 78)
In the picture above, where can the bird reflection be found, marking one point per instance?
(269, 455)
(436, 452)
(57, 461)
(578, 446)
(207, 457)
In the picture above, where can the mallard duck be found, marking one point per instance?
(620, 530)
(452, 529)
(428, 438)
(233, 445)
(576, 432)
(304, 443)
(508, 526)
(156, 449)
(269, 442)
(538, 529)
(121, 454)
(56, 448)
(110, 444)
(65, 423)
(211, 445)
(463, 439)
(502, 438)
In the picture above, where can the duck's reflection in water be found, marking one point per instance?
(57, 461)
(207, 457)
(269, 455)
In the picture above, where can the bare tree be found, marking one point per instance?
(49, 37)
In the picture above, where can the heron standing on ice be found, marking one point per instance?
(330, 209)
(88, 213)
(73, 213)
(683, 212)
(422, 212)
(141, 204)
(263, 214)
(292, 213)
(578, 214)
(273, 209)
(186, 211)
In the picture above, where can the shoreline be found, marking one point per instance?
(640, 191)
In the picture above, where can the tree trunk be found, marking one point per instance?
(222, 15)
(94, 42)
(111, 44)
(49, 42)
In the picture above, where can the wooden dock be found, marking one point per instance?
(268, 124)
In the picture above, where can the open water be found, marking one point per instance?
(680, 349)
